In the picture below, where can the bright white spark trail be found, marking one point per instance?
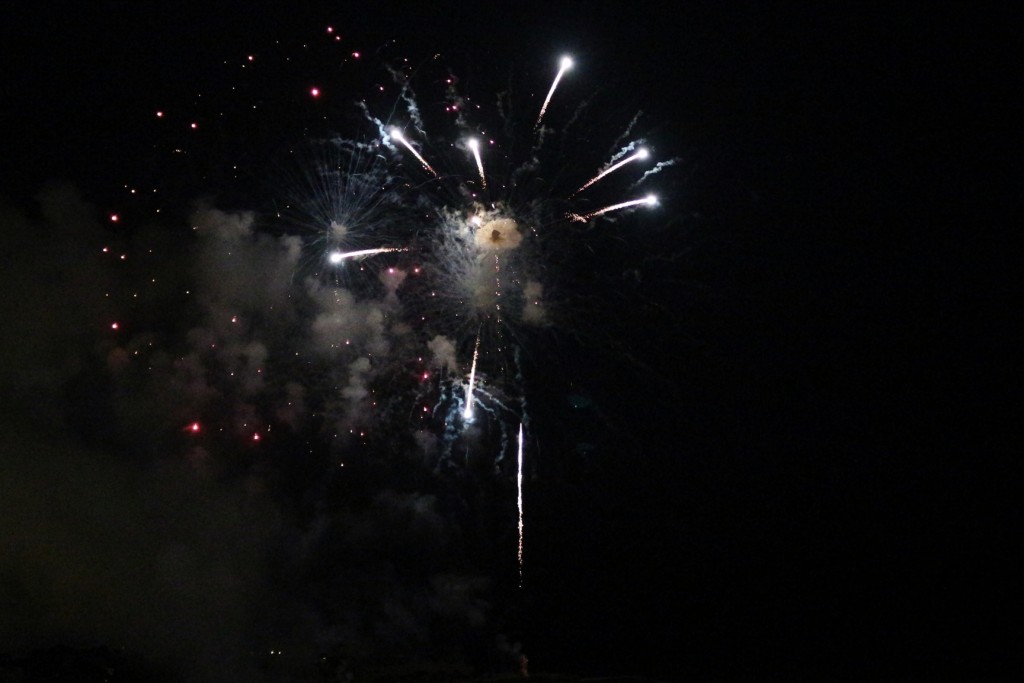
(519, 500)
(474, 145)
(563, 66)
(397, 135)
(468, 410)
(649, 200)
(339, 256)
(640, 154)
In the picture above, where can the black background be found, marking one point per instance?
(816, 466)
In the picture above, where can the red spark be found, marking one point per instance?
(159, 114)
(315, 92)
(426, 375)
(115, 326)
(355, 55)
(113, 218)
(256, 437)
(330, 29)
(194, 427)
(193, 125)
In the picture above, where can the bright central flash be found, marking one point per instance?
(498, 234)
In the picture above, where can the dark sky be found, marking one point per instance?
(775, 443)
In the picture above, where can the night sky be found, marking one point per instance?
(768, 425)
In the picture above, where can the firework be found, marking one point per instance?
(649, 200)
(474, 145)
(397, 135)
(639, 154)
(519, 500)
(389, 295)
(339, 256)
(468, 410)
(564, 65)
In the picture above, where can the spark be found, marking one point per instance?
(641, 153)
(649, 200)
(563, 66)
(474, 145)
(339, 256)
(519, 501)
(468, 411)
(397, 135)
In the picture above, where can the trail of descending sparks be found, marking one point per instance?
(397, 135)
(468, 410)
(339, 256)
(563, 66)
(640, 154)
(474, 145)
(519, 500)
(649, 200)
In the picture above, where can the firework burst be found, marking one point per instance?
(427, 248)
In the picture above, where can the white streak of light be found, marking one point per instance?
(339, 256)
(474, 145)
(397, 135)
(640, 154)
(519, 500)
(649, 200)
(563, 66)
(468, 410)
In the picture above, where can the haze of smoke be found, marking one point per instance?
(124, 532)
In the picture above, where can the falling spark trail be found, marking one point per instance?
(563, 66)
(339, 256)
(640, 154)
(474, 145)
(468, 411)
(519, 500)
(397, 135)
(649, 200)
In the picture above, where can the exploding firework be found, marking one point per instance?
(381, 300)
(484, 234)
